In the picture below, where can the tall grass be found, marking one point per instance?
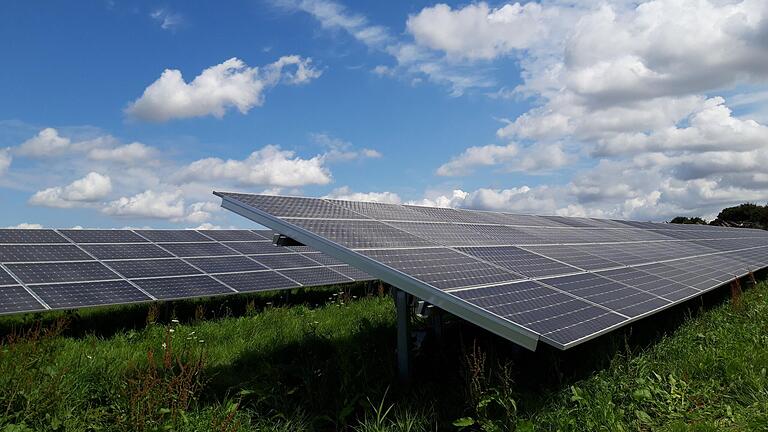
(327, 363)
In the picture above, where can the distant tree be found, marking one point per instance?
(688, 220)
(746, 214)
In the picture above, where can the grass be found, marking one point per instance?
(324, 360)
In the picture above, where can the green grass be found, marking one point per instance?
(318, 361)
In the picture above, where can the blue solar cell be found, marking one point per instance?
(72, 295)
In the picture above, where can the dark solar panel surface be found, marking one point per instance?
(14, 299)
(593, 275)
(88, 267)
(89, 294)
(183, 287)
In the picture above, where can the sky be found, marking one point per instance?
(129, 114)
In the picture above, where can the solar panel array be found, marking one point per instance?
(63, 269)
(556, 279)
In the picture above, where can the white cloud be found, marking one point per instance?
(89, 189)
(345, 193)
(168, 20)
(46, 143)
(148, 204)
(269, 166)
(532, 159)
(231, 84)
(476, 31)
(5, 160)
(474, 157)
(340, 150)
(26, 225)
(332, 15)
(201, 212)
(132, 152)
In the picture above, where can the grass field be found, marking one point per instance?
(324, 360)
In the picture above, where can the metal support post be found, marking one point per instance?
(403, 336)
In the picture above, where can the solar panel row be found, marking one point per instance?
(59, 269)
(562, 280)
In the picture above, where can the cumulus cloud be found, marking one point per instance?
(345, 193)
(25, 225)
(132, 152)
(5, 160)
(89, 189)
(231, 84)
(148, 204)
(476, 31)
(46, 143)
(49, 143)
(532, 159)
(269, 166)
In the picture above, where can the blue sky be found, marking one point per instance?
(609, 109)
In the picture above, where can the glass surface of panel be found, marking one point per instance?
(257, 281)
(152, 268)
(353, 273)
(316, 276)
(103, 236)
(185, 250)
(441, 267)
(12, 235)
(182, 287)
(284, 261)
(15, 299)
(445, 234)
(169, 236)
(381, 211)
(226, 264)
(6, 279)
(125, 251)
(615, 296)
(255, 248)
(233, 235)
(61, 272)
(293, 207)
(647, 282)
(520, 261)
(573, 256)
(74, 295)
(36, 253)
(362, 234)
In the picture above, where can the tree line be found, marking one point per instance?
(747, 215)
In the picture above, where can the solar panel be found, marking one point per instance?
(257, 281)
(30, 236)
(69, 295)
(102, 236)
(198, 249)
(125, 251)
(527, 278)
(14, 299)
(316, 276)
(183, 287)
(61, 272)
(6, 279)
(33, 253)
(230, 264)
(50, 269)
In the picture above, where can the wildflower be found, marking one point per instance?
(171, 330)
(175, 321)
(163, 345)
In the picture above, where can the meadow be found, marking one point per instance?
(324, 359)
